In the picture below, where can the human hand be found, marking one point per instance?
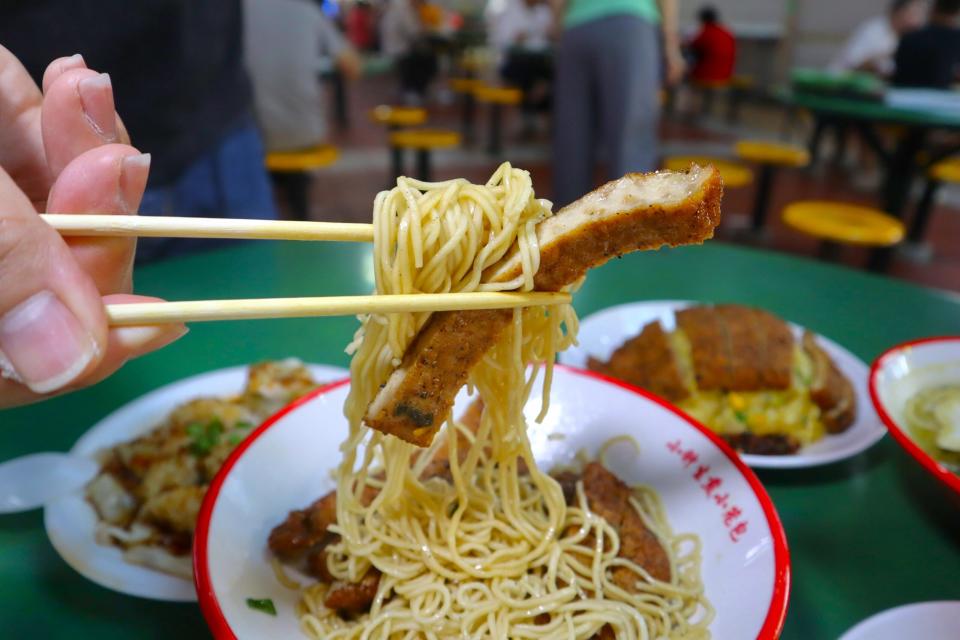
(350, 63)
(676, 67)
(64, 150)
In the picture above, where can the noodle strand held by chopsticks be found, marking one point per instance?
(496, 553)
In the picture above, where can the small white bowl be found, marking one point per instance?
(71, 521)
(923, 620)
(603, 332)
(902, 371)
(286, 464)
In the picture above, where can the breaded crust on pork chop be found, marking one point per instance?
(647, 361)
(736, 348)
(636, 212)
(609, 497)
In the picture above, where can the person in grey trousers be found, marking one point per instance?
(610, 62)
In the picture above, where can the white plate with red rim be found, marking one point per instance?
(71, 521)
(899, 373)
(923, 620)
(603, 332)
(286, 463)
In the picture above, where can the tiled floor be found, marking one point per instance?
(346, 190)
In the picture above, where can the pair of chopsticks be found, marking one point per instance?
(207, 310)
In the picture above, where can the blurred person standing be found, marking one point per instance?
(288, 44)
(930, 57)
(714, 49)
(522, 36)
(404, 38)
(872, 45)
(175, 68)
(609, 65)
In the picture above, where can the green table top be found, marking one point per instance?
(864, 535)
(871, 110)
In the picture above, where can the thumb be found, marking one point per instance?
(53, 329)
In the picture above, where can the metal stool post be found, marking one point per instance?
(762, 198)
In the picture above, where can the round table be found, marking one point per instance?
(860, 539)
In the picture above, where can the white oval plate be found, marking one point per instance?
(926, 620)
(286, 465)
(71, 522)
(602, 332)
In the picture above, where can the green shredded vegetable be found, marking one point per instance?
(263, 604)
(204, 437)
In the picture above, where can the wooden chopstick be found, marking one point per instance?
(91, 225)
(149, 313)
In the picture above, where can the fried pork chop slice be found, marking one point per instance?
(647, 361)
(636, 212)
(736, 348)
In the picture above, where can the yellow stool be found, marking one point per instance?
(497, 98)
(769, 156)
(395, 117)
(465, 85)
(468, 105)
(423, 141)
(290, 172)
(839, 223)
(299, 161)
(734, 174)
(945, 171)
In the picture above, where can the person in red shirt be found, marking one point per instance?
(360, 28)
(714, 50)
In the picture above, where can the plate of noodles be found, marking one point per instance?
(130, 529)
(782, 396)
(725, 572)
(460, 485)
(916, 389)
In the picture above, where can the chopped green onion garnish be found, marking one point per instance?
(204, 436)
(264, 604)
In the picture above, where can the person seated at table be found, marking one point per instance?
(930, 57)
(522, 35)
(288, 44)
(185, 96)
(53, 327)
(404, 39)
(714, 49)
(872, 45)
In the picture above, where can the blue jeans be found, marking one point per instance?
(230, 181)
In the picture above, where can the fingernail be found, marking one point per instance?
(44, 344)
(75, 61)
(133, 177)
(136, 341)
(96, 99)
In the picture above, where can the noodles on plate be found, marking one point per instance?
(489, 548)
